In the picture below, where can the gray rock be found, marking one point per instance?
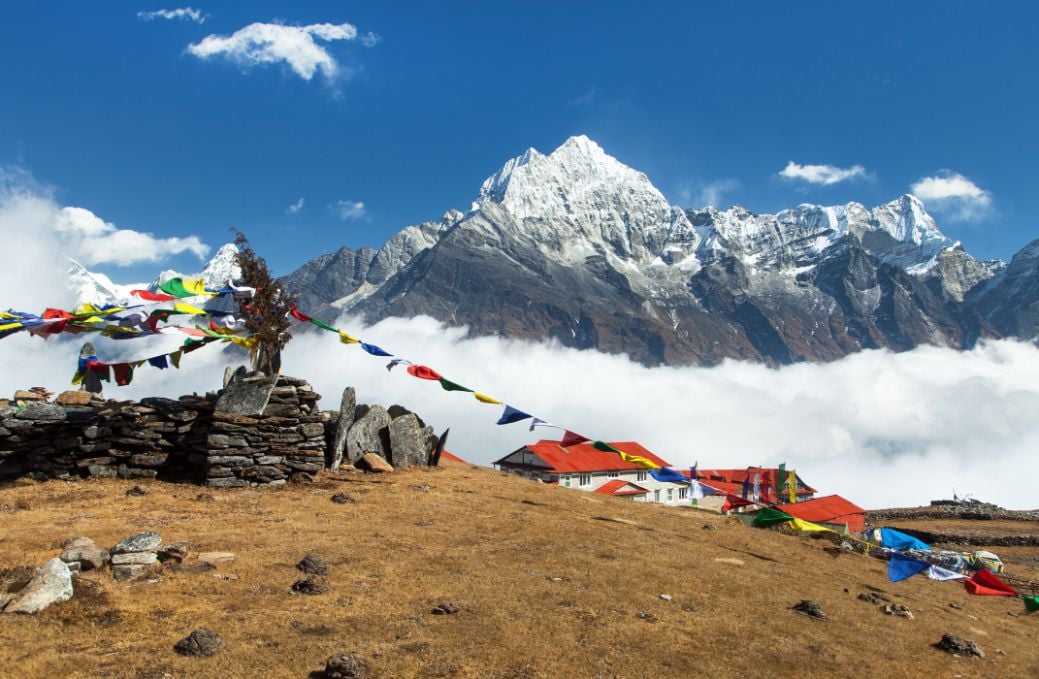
(366, 434)
(311, 585)
(147, 541)
(49, 412)
(200, 643)
(407, 442)
(226, 482)
(88, 557)
(312, 430)
(951, 643)
(175, 552)
(313, 564)
(134, 559)
(51, 584)
(810, 608)
(245, 397)
(127, 572)
(446, 609)
(346, 666)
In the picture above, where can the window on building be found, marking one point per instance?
(640, 476)
(670, 494)
(566, 481)
(612, 475)
(584, 479)
(683, 493)
(656, 495)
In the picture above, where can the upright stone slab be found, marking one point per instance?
(246, 396)
(365, 436)
(346, 418)
(407, 442)
(51, 584)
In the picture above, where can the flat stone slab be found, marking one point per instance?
(214, 559)
(140, 542)
(243, 397)
(134, 559)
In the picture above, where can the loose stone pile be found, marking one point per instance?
(134, 556)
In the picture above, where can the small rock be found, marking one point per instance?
(646, 615)
(50, 585)
(205, 497)
(175, 552)
(958, 646)
(708, 526)
(146, 541)
(73, 398)
(86, 556)
(26, 395)
(136, 491)
(200, 643)
(128, 572)
(445, 609)
(666, 597)
(79, 541)
(953, 604)
(810, 608)
(301, 478)
(310, 585)
(342, 499)
(214, 559)
(897, 609)
(374, 463)
(875, 598)
(313, 564)
(134, 559)
(346, 666)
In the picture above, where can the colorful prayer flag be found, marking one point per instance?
(423, 372)
(667, 474)
(639, 460)
(448, 385)
(159, 362)
(347, 338)
(901, 567)
(374, 350)
(572, 439)
(985, 583)
(484, 398)
(299, 315)
(175, 358)
(123, 373)
(510, 415)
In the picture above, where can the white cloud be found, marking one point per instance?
(260, 43)
(371, 39)
(183, 13)
(882, 429)
(954, 195)
(295, 207)
(821, 174)
(349, 209)
(91, 240)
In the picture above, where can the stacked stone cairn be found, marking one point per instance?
(133, 557)
(262, 432)
(256, 431)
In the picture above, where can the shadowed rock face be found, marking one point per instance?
(576, 247)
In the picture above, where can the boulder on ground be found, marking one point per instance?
(346, 666)
(200, 643)
(373, 462)
(51, 584)
(367, 433)
(313, 564)
(145, 541)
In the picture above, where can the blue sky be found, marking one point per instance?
(113, 109)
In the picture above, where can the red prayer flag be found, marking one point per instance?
(123, 373)
(153, 296)
(572, 439)
(56, 313)
(299, 315)
(734, 501)
(985, 583)
(423, 372)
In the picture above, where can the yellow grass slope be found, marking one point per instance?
(546, 588)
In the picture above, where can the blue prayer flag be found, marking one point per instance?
(902, 567)
(159, 362)
(374, 350)
(510, 415)
(668, 474)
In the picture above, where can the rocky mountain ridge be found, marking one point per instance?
(578, 247)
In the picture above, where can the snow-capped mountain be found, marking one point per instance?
(576, 246)
(97, 288)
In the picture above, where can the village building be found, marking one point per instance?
(830, 509)
(584, 468)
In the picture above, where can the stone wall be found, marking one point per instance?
(252, 432)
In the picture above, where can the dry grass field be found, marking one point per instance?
(546, 588)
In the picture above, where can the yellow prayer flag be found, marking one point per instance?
(484, 398)
(808, 526)
(175, 358)
(4, 314)
(347, 338)
(182, 308)
(639, 460)
(792, 486)
(197, 287)
(241, 341)
(10, 326)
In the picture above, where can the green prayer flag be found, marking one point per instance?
(767, 516)
(1031, 602)
(175, 287)
(782, 479)
(326, 326)
(605, 447)
(448, 385)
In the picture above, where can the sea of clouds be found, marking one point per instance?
(880, 428)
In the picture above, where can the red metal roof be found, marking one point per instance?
(617, 487)
(738, 475)
(584, 458)
(444, 455)
(829, 509)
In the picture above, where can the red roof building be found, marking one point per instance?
(444, 455)
(829, 509)
(585, 468)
